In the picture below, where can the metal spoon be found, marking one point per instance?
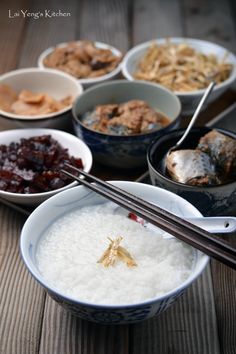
(194, 118)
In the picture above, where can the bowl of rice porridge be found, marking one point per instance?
(104, 264)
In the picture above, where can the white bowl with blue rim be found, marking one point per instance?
(79, 197)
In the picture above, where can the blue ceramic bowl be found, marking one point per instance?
(78, 197)
(116, 150)
(210, 200)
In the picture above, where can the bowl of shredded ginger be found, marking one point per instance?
(185, 66)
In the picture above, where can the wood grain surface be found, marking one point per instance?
(203, 320)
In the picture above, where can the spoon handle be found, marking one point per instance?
(196, 113)
(217, 224)
(213, 224)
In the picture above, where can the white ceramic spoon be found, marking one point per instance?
(213, 224)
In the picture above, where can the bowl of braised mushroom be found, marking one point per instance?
(89, 62)
(203, 171)
(119, 119)
(35, 98)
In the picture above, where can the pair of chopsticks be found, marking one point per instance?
(178, 227)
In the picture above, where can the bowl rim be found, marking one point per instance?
(190, 41)
(85, 81)
(53, 133)
(179, 184)
(191, 278)
(23, 71)
(127, 82)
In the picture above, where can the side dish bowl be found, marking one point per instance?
(54, 208)
(210, 200)
(189, 100)
(75, 146)
(88, 81)
(56, 84)
(124, 151)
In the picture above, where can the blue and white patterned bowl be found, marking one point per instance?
(118, 150)
(210, 200)
(78, 197)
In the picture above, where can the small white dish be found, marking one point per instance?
(90, 81)
(56, 84)
(75, 146)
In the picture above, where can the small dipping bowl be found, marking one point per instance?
(87, 82)
(74, 199)
(124, 151)
(210, 200)
(75, 147)
(56, 84)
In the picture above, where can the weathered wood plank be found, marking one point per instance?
(21, 310)
(63, 333)
(156, 19)
(215, 21)
(189, 326)
(210, 20)
(213, 109)
(46, 32)
(224, 284)
(12, 34)
(106, 21)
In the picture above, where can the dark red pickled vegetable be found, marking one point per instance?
(136, 218)
(34, 164)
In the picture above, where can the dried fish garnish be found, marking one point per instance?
(115, 252)
(181, 68)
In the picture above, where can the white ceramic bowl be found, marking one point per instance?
(53, 82)
(69, 200)
(189, 100)
(90, 81)
(75, 146)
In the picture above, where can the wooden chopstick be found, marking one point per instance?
(196, 237)
(154, 209)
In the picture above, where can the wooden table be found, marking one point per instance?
(203, 320)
